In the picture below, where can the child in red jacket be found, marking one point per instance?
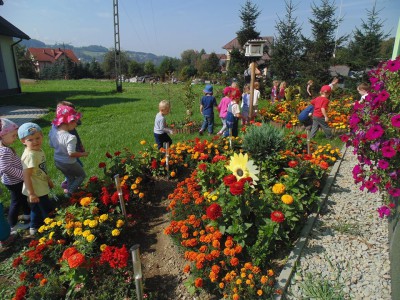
(320, 114)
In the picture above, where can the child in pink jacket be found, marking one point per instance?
(223, 108)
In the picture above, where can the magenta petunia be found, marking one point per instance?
(388, 151)
(393, 65)
(383, 211)
(374, 132)
(383, 164)
(383, 96)
(395, 120)
(395, 192)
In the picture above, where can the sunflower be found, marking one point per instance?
(242, 167)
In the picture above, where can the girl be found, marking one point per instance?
(12, 173)
(256, 97)
(310, 88)
(274, 91)
(281, 93)
(223, 108)
(64, 144)
(245, 106)
(233, 114)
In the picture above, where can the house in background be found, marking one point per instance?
(234, 44)
(44, 57)
(9, 77)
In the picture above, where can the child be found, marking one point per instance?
(79, 145)
(207, 104)
(223, 108)
(274, 91)
(305, 117)
(11, 173)
(309, 88)
(320, 114)
(256, 97)
(334, 82)
(64, 144)
(233, 114)
(160, 125)
(245, 106)
(363, 89)
(37, 183)
(281, 93)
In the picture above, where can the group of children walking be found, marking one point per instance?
(27, 179)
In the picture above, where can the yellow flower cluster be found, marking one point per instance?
(211, 196)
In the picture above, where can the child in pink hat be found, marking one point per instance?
(64, 144)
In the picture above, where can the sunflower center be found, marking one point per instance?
(239, 172)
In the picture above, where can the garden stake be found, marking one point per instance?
(120, 195)
(166, 147)
(230, 138)
(308, 142)
(137, 271)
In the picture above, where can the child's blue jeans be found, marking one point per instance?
(40, 211)
(208, 122)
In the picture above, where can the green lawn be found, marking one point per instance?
(111, 121)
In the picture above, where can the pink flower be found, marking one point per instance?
(395, 192)
(388, 151)
(383, 164)
(395, 121)
(374, 132)
(393, 65)
(383, 211)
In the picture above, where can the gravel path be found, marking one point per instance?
(348, 245)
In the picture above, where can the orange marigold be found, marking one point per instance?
(186, 269)
(198, 282)
(234, 261)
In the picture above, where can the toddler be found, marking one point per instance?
(64, 144)
(223, 108)
(363, 89)
(256, 97)
(274, 91)
(160, 125)
(320, 114)
(207, 104)
(245, 106)
(233, 114)
(281, 93)
(11, 173)
(37, 183)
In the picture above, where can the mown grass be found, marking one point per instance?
(111, 121)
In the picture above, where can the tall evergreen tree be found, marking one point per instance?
(319, 50)
(211, 65)
(365, 47)
(287, 47)
(248, 14)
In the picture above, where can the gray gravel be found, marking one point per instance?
(348, 245)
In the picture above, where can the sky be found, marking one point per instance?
(169, 27)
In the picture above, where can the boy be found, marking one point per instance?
(207, 104)
(320, 115)
(37, 183)
(160, 125)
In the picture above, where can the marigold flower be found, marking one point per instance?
(115, 232)
(198, 282)
(102, 218)
(43, 282)
(235, 297)
(90, 238)
(234, 261)
(142, 142)
(85, 201)
(102, 247)
(278, 188)
(76, 260)
(120, 223)
(287, 199)
(259, 292)
(186, 269)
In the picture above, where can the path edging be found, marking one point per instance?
(285, 276)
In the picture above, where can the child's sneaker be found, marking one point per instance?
(64, 184)
(20, 226)
(32, 231)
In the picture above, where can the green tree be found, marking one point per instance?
(167, 67)
(366, 44)
(387, 49)
(248, 14)
(187, 72)
(237, 64)
(26, 68)
(109, 63)
(320, 48)
(287, 48)
(95, 69)
(211, 64)
(149, 68)
(136, 68)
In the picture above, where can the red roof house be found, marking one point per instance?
(43, 57)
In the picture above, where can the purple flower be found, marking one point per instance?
(383, 164)
(375, 146)
(374, 132)
(388, 151)
(395, 121)
(383, 211)
(393, 65)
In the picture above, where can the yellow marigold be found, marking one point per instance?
(221, 285)
(287, 199)
(173, 174)
(41, 229)
(248, 281)
(115, 232)
(278, 188)
(102, 247)
(133, 186)
(136, 191)
(86, 201)
(47, 221)
(270, 272)
(142, 142)
(90, 238)
(86, 233)
(59, 223)
(103, 217)
(243, 275)
(141, 195)
(264, 279)
(77, 224)
(86, 222)
(259, 292)
(120, 223)
(239, 281)
(138, 180)
(93, 223)
(53, 224)
(78, 231)
(42, 240)
(51, 235)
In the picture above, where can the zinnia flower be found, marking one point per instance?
(76, 260)
(214, 211)
(278, 188)
(228, 180)
(277, 216)
(237, 188)
(287, 199)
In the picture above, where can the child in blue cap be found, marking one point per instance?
(37, 183)
(207, 104)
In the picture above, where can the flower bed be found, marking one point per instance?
(230, 218)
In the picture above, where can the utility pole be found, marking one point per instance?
(117, 48)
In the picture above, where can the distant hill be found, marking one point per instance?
(87, 53)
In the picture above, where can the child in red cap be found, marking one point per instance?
(320, 114)
(64, 144)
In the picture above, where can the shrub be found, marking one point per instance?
(263, 141)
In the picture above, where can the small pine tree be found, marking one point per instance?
(248, 14)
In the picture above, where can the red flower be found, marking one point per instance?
(102, 165)
(115, 257)
(117, 153)
(246, 179)
(154, 164)
(237, 188)
(289, 125)
(21, 292)
(228, 180)
(105, 196)
(277, 216)
(94, 179)
(214, 211)
(17, 261)
(203, 167)
(323, 165)
(68, 252)
(115, 198)
(76, 260)
(293, 163)
(218, 158)
(108, 155)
